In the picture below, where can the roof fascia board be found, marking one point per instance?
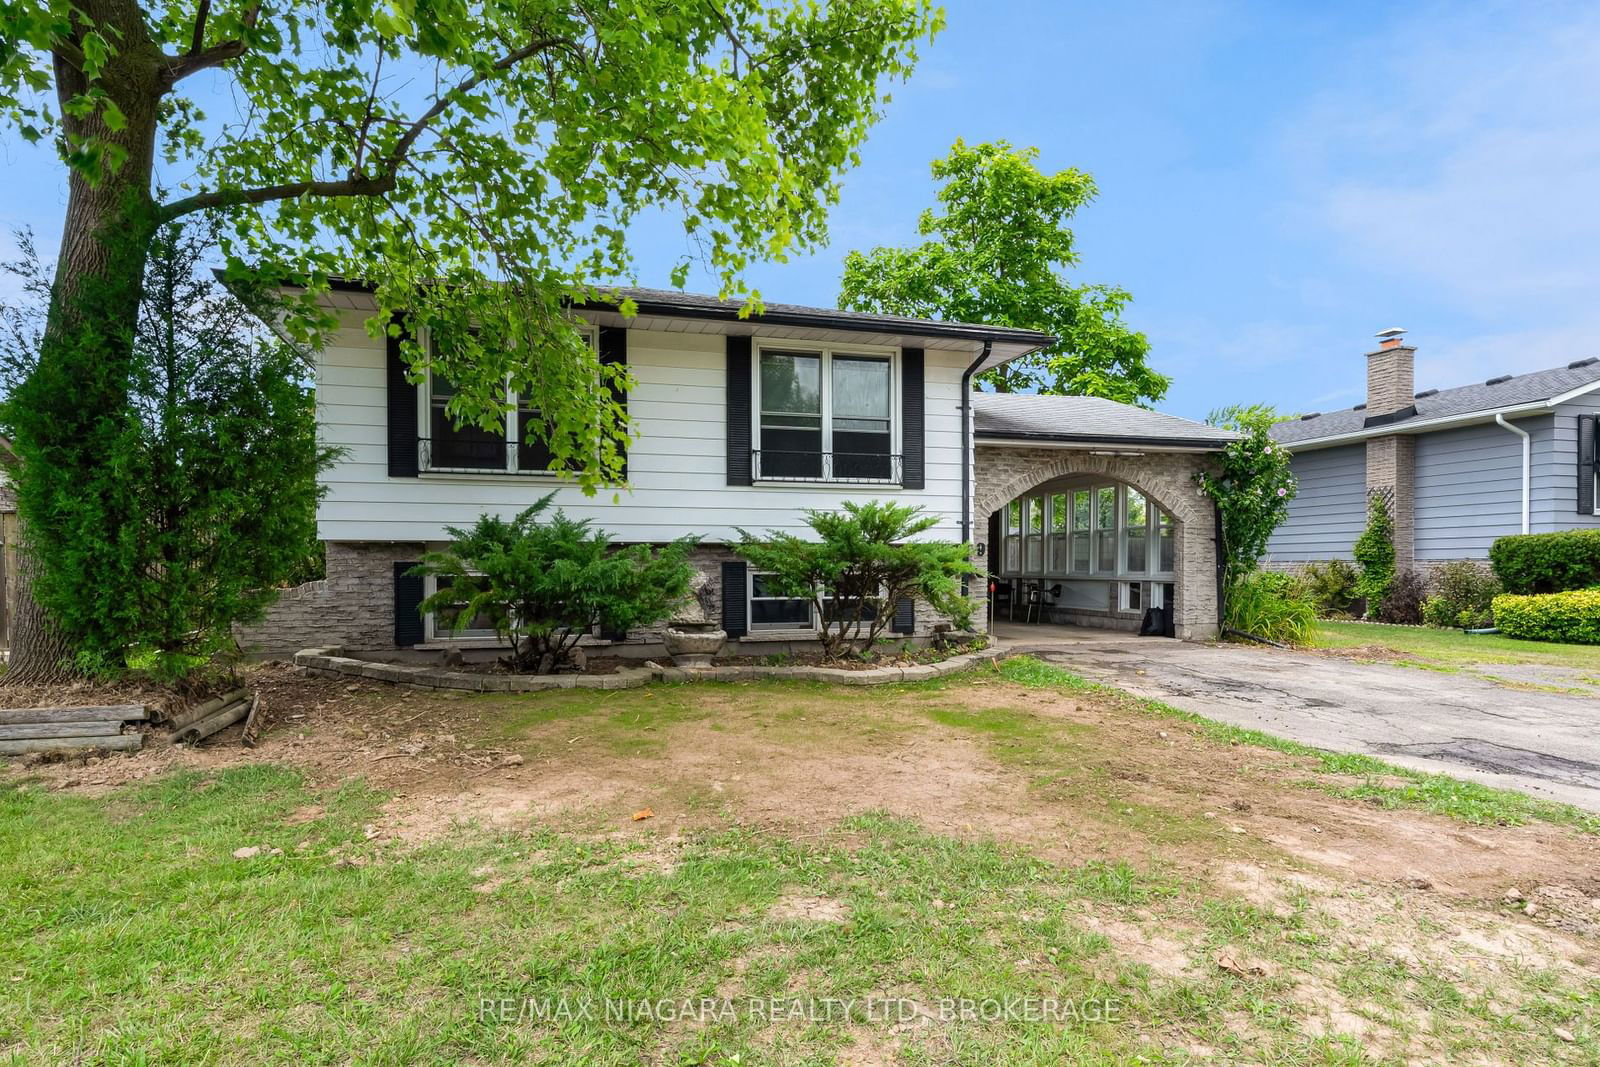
(1086, 442)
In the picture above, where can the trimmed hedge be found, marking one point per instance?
(1572, 617)
(1547, 563)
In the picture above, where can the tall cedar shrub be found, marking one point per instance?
(543, 585)
(1374, 554)
(1548, 562)
(182, 515)
(863, 561)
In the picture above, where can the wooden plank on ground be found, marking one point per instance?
(189, 716)
(114, 742)
(60, 729)
(252, 722)
(100, 713)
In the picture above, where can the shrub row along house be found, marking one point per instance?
(1086, 505)
(1458, 467)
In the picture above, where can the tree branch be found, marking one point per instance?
(360, 186)
(466, 85)
(355, 185)
(176, 68)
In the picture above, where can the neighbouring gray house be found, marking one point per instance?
(1079, 510)
(1462, 466)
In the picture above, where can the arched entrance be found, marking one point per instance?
(1106, 536)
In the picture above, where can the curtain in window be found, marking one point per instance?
(861, 437)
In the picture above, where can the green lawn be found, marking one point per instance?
(1453, 647)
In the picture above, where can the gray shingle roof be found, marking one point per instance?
(1088, 419)
(670, 300)
(1534, 387)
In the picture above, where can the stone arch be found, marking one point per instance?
(1167, 478)
(1173, 489)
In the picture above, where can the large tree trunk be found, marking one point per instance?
(39, 652)
(77, 393)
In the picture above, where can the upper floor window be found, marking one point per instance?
(825, 416)
(448, 445)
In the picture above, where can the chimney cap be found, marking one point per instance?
(1391, 333)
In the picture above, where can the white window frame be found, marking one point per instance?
(1091, 533)
(1126, 590)
(827, 352)
(511, 431)
(433, 632)
(807, 628)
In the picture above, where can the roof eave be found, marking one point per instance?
(1083, 441)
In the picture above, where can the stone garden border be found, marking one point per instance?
(331, 663)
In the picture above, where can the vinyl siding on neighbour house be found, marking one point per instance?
(1329, 511)
(1555, 472)
(1469, 487)
(676, 466)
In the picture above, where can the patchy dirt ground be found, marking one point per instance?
(1072, 778)
(799, 759)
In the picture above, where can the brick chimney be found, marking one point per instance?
(1392, 458)
(1391, 375)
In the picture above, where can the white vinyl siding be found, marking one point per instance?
(676, 465)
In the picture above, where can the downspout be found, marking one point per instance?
(969, 461)
(1527, 466)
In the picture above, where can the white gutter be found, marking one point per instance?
(1527, 465)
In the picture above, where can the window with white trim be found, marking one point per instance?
(1132, 596)
(769, 611)
(437, 624)
(1013, 551)
(1103, 530)
(824, 415)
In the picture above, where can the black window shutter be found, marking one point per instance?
(402, 414)
(1588, 441)
(614, 349)
(738, 409)
(407, 596)
(735, 608)
(905, 616)
(912, 405)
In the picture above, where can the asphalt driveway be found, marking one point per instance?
(1543, 743)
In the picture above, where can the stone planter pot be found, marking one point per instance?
(693, 644)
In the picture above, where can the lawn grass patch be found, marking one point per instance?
(1454, 647)
(132, 934)
(1384, 783)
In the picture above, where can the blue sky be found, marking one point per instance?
(1277, 181)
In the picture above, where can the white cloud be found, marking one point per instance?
(1461, 152)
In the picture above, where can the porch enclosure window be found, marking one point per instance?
(1012, 563)
(825, 415)
(1092, 532)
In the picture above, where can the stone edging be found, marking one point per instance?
(329, 663)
